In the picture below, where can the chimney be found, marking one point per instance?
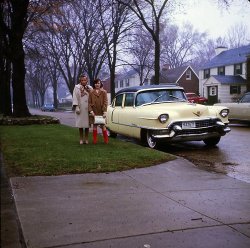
(220, 49)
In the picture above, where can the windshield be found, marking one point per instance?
(161, 95)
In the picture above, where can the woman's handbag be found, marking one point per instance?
(100, 120)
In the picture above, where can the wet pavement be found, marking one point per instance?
(173, 205)
(230, 156)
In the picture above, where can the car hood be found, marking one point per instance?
(181, 110)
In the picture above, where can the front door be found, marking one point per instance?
(212, 94)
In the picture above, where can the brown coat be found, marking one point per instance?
(98, 102)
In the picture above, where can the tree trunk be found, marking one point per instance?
(112, 73)
(20, 108)
(18, 27)
(5, 96)
(5, 67)
(157, 62)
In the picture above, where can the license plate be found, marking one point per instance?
(189, 124)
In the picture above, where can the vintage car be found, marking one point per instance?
(240, 110)
(192, 97)
(48, 107)
(162, 113)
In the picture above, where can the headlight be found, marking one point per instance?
(163, 118)
(224, 113)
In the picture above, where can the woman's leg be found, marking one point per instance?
(94, 134)
(81, 135)
(86, 135)
(105, 134)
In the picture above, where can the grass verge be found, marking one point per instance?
(54, 150)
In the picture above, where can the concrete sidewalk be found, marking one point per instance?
(173, 204)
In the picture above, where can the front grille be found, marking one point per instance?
(198, 123)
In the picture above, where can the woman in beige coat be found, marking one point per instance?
(98, 102)
(80, 106)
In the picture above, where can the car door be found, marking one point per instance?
(127, 115)
(114, 112)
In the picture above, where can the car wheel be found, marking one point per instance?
(212, 141)
(148, 139)
(111, 134)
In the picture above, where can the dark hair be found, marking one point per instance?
(96, 81)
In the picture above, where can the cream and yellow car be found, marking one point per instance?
(240, 110)
(162, 113)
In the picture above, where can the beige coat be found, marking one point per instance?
(81, 100)
(98, 102)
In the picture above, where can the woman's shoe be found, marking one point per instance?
(81, 142)
(86, 142)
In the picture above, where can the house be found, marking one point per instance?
(184, 76)
(131, 78)
(227, 76)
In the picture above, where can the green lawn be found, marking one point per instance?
(54, 150)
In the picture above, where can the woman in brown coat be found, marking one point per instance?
(98, 102)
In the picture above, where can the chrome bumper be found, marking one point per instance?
(176, 133)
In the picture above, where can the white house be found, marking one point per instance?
(226, 77)
(130, 78)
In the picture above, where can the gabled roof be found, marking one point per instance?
(229, 57)
(173, 75)
(127, 74)
(230, 79)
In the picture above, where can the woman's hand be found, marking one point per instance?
(78, 111)
(104, 114)
(92, 113)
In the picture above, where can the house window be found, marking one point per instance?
(212, 91)
(206, 73)
(121, 83)
(188, 75)
(221, 70)
(127, 82)
(237, 69)
(235, 89)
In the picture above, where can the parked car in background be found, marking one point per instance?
(162, 113)
(240, 110)
(48, 107)
(192, 97)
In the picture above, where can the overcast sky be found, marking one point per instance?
(206, 15)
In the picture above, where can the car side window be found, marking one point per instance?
(118, 100)
(129, 100)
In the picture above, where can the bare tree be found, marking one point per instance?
(238, 36)
(179, 44)
(142, 55)
(115, 23)
(93, 43)
(150, 13)
(38, 76)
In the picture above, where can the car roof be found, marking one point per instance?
(148, 87)
(189, 93)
